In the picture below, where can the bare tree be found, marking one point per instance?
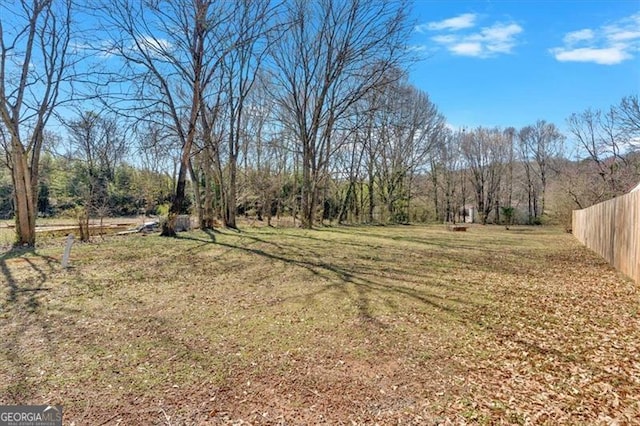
(371, 113)
(170, 53)
(629, 113)
(486, 152)
(510, 134)
(333, 53)
(265, 155)
(100, 146)
(540, 145)
(447, 165)
(603, 142)
(349, 163)
(525, 151)
(372, 146)
(34, 66)
(410, 129)
(156, 154)
(251, 25)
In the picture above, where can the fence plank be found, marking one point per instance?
(612, 229)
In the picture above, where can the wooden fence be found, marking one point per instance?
(612, 229)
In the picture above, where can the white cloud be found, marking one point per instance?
(623, 28)
(156, 45)
(501, 31)
(451, 126)
(499, 38)
(624, 35)
(107, 49)
(77, 47)
(466, 49)
(578, 36)
(104, 49)
(607, 45)
(604, 56)
(445, 39)
(418, 48)
(466, 20)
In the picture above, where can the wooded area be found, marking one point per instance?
(268, 109)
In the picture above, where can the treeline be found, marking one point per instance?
(66, 189)
(299, 108)
(379, 176)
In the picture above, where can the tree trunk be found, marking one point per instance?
(197, 196)
(197, 52)
(169, 226)
(543, 180)
(530, 204)
(25, 207)
(83, 225)
(361, 210)
(434, 180)
(372, 200)
(481, 205)
(208, 211)
(230, 197)
(342, 216)
(307, 190)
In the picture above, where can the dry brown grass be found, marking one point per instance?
(387, 325)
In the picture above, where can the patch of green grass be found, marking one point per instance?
(369, 324)
(7, 237)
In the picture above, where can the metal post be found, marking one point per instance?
(67, 251)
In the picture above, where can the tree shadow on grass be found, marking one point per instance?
(25, 257)
(432, 237)
(11, 281)
(306, 236)
(366, 290)
(211, 239)
(22, 307)
(344, 279)
(211, 233)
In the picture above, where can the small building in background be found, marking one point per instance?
(467, 214)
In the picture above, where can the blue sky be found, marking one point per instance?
(510, 63)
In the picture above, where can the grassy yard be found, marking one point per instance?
(362, 325)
